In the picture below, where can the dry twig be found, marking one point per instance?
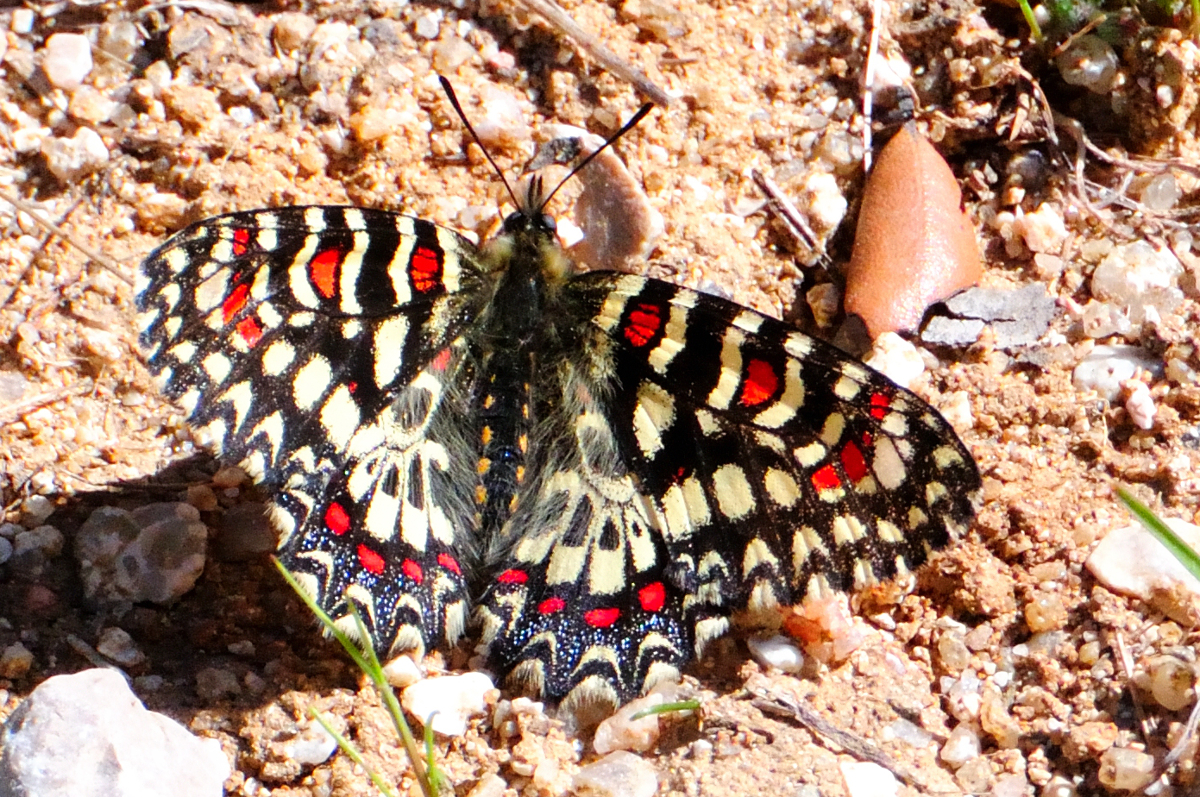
(562, 21)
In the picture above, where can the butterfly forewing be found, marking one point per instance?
(321, 347)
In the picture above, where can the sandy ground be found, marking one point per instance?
(235, 107)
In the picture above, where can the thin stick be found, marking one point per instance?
(35, 214)
(559, 19)
(868, 100)
(787, 212)
(785, 705)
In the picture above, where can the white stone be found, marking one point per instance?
(868, 779)
(961, 746)
(447, 703)
(86, 734)
(69, 159)
(312, 746)
(504, 122)
(66, 60)
(826, 205)
(1130, 560)
(895, 358)
(1106, 367)
(622, 732)
(1139, 278)
(1042, 229)
(777, 652)
(402, 671)
(619, 774)
(1140, 405)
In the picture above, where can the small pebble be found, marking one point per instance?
(825, 203)
(868, 779)
(402, 671)
(15, 661)
(895, 358)
(622, 732)
(428, 25)
(1091, 62)
(1106, 367)
(214, 684)
(778, 652)
(1140, 279)
(45, 540)
(36, 508)
(619, 774)
(312, 746)
(975, 776)
(1172, 683)
(961, 746)
(1042, 229)
(292, 31)
(67, 60)
(117, 645)
(1045, 612)
(68, 159)
(448, 703)
(1140, 404)
(1122, 768)
(155, 553)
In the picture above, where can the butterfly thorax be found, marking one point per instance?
(514, 339)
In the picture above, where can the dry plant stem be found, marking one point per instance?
(1181, 746)
(868, 98)
(1127, 670)
(29, 210)
(14, 411)
(1088, 28)
(787, 212)
(785, 705)
(562, 21)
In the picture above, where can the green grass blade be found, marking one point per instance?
(1031, 20)
(667, 708)
(350, 750)
(365, 659)
(1162, 532)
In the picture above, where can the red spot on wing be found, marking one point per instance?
(826, 478)
(241, 241)
(867, 439)
(601, 618)
(250, 330)
(440, 360)
(322, 272)
(760, 383)
(412, 570)
(234, 302)
(853, 462)
(652, 596)
(423, 269)
(370, 560)
(336, 519)
(644, 323)
(513, 577)
(450, 563)
(551, 605)
(352, 387)
(879, 405)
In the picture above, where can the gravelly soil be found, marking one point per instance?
(217, 113)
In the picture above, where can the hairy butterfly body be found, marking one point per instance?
(602, 467)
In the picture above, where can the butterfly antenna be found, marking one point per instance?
(450, 95)
(625, 128)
